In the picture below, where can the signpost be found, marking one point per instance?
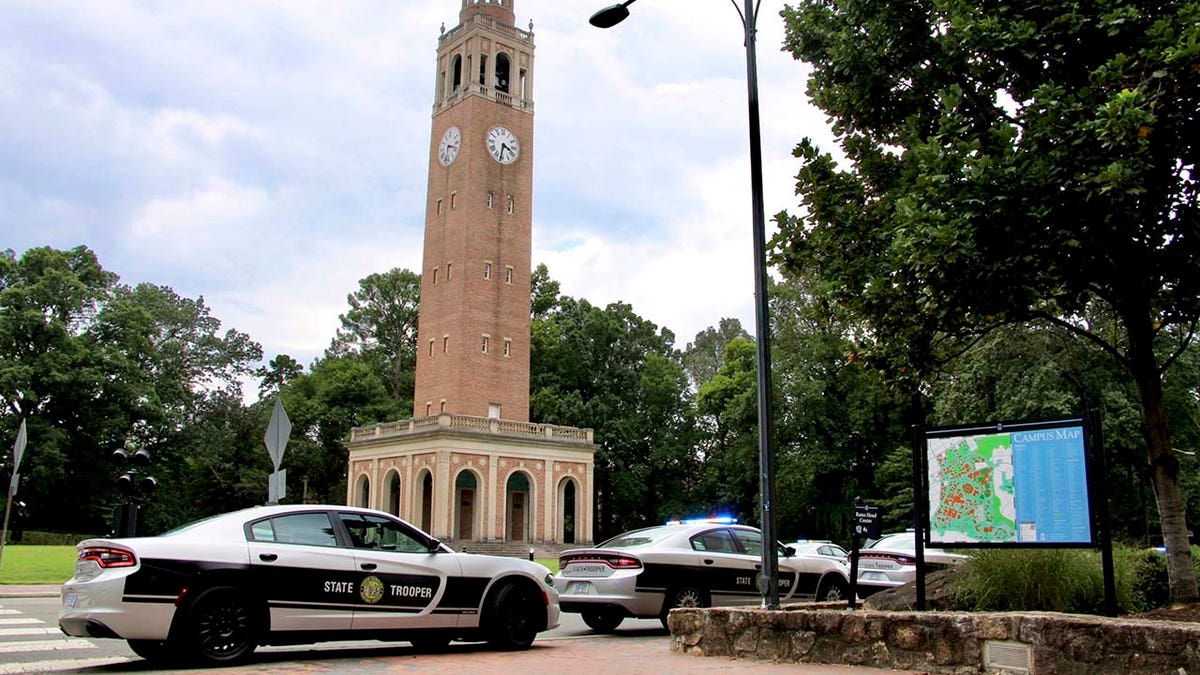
(278, 431)
(866, 524)
(18, 453)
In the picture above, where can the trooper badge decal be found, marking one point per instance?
(371, 590)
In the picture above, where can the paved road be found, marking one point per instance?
(31, 642)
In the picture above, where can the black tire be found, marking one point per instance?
(513, 617)
(603, 620)
(220, 627)
(151, 650)
(833, 589)
(683, 596)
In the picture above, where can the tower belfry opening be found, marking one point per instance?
(451, 468)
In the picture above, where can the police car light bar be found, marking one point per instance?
(720, 520)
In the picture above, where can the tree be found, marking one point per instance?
(381, 325)
(94, 365)
(544, 292)
(702, 357)
(339, 393)
(835, 419)
(611, 370)
(729, 401)
(1006, 163)
(278, 374)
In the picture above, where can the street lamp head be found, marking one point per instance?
(610, 16)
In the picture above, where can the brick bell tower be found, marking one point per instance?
(473, 328)
(469, 467)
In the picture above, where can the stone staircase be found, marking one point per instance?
(513, 549)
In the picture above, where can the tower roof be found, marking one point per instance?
(500, 10)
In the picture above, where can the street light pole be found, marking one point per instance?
(768, 583)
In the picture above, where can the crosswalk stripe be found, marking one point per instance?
(20, 620)
(60, 664)
(29, 630)
(9, 612)
(45, 645)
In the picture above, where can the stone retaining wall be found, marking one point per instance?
(942, 642)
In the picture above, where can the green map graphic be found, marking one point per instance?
(971, 488)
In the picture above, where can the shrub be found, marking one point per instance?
(1142, 578)
(37, 538)
(1053, 580)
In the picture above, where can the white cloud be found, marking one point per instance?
(268, 154)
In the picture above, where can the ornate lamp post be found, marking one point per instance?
(769, 585)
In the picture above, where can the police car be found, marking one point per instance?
(648, 572)
(212, 591)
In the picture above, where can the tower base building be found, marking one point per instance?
(471, 479)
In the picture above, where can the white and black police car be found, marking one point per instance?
(212, 591)
(648, 572)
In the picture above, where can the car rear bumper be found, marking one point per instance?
(97, 609)
(579, 595)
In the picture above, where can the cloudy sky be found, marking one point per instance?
(268, 154)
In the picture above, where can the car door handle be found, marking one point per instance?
(368, 566)
(708, 561)
(268, 557)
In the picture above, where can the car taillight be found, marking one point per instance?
(617, 562)
(107, 557)
(893, 557)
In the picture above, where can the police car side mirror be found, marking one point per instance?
(789, 551)
(433, 546)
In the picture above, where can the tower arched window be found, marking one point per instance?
(457, 73)
(502, 72)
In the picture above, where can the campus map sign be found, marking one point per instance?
(1015, 484)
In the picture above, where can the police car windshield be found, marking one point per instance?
(646, 537)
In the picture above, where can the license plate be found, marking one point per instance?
(872, 576)
(578, 588)
(69, 601)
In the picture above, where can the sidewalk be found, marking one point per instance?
(29, 590)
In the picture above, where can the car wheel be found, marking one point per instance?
(512, 617)
(603, 621)
(220, 627)
(684, 596)
(833, 589)
(151, 650)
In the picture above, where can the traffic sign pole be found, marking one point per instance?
(18, 453)
(278, 431)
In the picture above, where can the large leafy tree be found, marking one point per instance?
(703, 356)
(835, 419)
(1006, 162)
(613, 371)
(95, 365)
(381, 326)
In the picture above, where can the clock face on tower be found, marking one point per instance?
(502, 143)
(448, 148)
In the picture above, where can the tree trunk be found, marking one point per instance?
(1164, 465)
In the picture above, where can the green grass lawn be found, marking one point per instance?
(29, 564)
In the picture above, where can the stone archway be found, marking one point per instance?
(466, 491)
(568, 514)
(391, 493)
(425, 500)
(362, 491)
(518, 507)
